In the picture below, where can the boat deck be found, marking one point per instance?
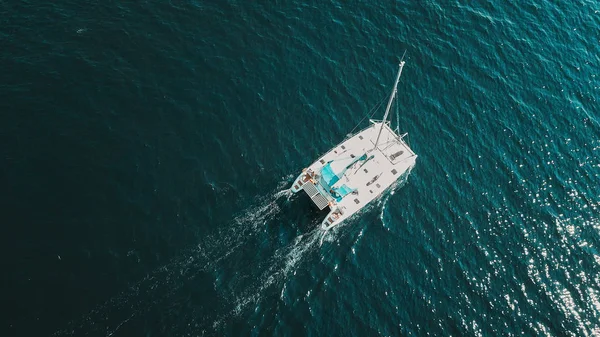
(369, 179)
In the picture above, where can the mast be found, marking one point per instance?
(387, 110)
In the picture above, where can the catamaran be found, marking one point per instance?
(359, 169)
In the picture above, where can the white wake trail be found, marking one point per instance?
(277, 270)
(163, 282)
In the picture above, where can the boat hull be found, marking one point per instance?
(368, 178)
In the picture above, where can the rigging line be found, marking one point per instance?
(397, 109)
(389, 105)
(372, 112)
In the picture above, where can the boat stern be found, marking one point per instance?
(298, 184)
(335, 217)
(307, 181)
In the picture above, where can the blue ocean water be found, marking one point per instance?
(146, 149)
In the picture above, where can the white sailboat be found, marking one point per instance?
(357, 170)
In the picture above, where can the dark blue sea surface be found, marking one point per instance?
(146, 148)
